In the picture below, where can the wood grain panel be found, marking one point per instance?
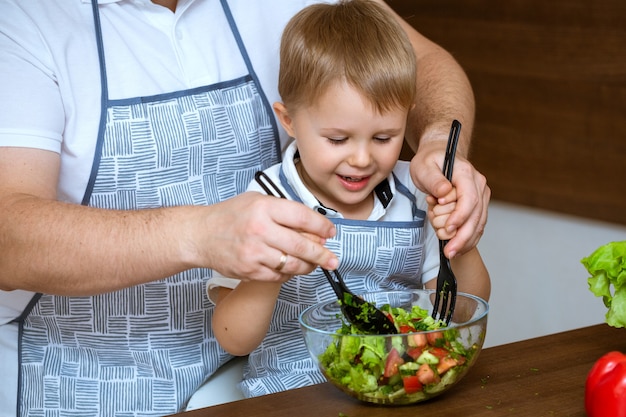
(550, 85)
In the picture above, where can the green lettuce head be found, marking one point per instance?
(607, 266)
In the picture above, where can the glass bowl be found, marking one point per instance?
(399, 369)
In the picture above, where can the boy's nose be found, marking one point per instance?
(360, 157)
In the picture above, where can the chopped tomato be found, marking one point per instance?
(417, 339)
(439, 352)
(426, 375)
(394, 360)
(414, 352)
(435, 338)
(389, 316)
(411, 384)
(405, 328)
(446, 363)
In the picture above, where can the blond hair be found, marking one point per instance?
(353, 41)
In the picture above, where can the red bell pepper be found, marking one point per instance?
(605, 388)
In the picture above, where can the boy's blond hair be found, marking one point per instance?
(353, 41)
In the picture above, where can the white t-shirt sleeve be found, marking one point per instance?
(31, 109)
(219, 280)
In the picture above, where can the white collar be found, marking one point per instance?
(102, 1)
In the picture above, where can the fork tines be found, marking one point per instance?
(445, 297)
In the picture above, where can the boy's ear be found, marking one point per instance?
(284, 118)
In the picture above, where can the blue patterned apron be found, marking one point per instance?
(373, 256)
(145, 350)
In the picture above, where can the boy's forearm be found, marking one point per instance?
(242, 317)
(471, 274)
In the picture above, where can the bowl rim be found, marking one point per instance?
(476, 298)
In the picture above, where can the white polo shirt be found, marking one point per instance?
(50, 76)
(50, 84)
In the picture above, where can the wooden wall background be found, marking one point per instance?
(550, 84)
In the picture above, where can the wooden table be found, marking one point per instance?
(537, 377)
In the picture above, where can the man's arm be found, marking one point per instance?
(444, 93)
(68, 249)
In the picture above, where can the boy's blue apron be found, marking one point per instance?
(374, 256)
(145, 350)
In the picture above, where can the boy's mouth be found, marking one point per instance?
(352, 179)
(354, 183)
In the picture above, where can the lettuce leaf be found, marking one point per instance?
(607, 266)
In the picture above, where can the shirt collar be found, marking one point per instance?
(383, 193)
(101, 1)
(117, 1)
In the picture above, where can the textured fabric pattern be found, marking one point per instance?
(141, 351)
(184, 149)
(375, 256)
(145, 350)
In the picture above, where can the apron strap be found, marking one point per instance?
(104, 98)
(246, 58)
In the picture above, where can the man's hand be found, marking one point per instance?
(254, 237)
(467, 222)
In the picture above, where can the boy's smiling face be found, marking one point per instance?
(346, 147)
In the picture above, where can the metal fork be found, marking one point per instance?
(445, 297)
(364, 315)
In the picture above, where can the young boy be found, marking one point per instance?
(347, 81)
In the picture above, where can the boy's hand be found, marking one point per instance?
(467, 221)
(438, 213)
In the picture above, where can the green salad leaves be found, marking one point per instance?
(401, 369)
(607, 266)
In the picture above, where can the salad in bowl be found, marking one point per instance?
(423, 360)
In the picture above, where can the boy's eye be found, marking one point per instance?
(382, 138)
(336, 140)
